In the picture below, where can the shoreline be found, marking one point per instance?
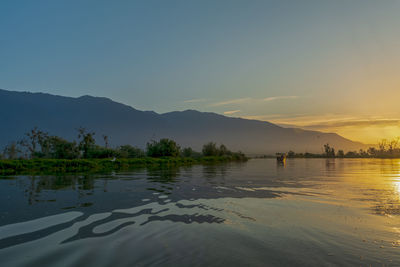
(322, 157)
(57, 166)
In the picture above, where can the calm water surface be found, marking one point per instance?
(310, 212)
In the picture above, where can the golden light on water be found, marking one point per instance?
(396, 179)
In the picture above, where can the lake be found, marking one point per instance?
(308, 212)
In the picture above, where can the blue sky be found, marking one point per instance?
(316, 64)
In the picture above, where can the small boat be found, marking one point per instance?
(281, 157)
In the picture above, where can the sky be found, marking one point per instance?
(332, 66)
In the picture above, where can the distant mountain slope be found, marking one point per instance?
(21, 111)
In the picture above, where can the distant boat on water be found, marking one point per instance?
(281, 157)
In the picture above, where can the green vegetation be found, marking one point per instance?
(163, 148)
(188, 152)
(40, 152)
(211, 149)
(51, 166)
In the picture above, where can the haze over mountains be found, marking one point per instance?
(59, 115)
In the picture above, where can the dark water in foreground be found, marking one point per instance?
(310, 212)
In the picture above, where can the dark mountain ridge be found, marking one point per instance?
(60, 115)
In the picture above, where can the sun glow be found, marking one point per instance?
(366, 129)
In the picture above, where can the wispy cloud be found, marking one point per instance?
(366, 128)
(249, 100)
(273, 98)
(196, 100)
(353, 123)
(270, 117)
(231, 101)
(229, 112)
(324, 121)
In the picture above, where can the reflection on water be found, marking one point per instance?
(305, 212)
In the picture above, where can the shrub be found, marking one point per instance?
(210, 149)
(188, 152)
(99, 152)
(164, 148)
(128, 151)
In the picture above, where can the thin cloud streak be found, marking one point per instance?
(305, 119)
(357, 123)
(231, 101)
(250, 100)
(196, 100)
(273, 98)
(324, 122)
(230, 112)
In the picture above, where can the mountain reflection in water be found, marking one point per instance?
(306, 212)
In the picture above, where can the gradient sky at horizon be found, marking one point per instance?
(322, 65)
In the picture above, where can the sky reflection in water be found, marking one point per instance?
(308, 212)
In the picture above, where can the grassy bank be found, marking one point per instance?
(54, 166)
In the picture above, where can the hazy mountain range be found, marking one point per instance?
(59, 115)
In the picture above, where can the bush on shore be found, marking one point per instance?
(38, 151)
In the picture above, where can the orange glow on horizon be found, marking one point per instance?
(366, 130)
